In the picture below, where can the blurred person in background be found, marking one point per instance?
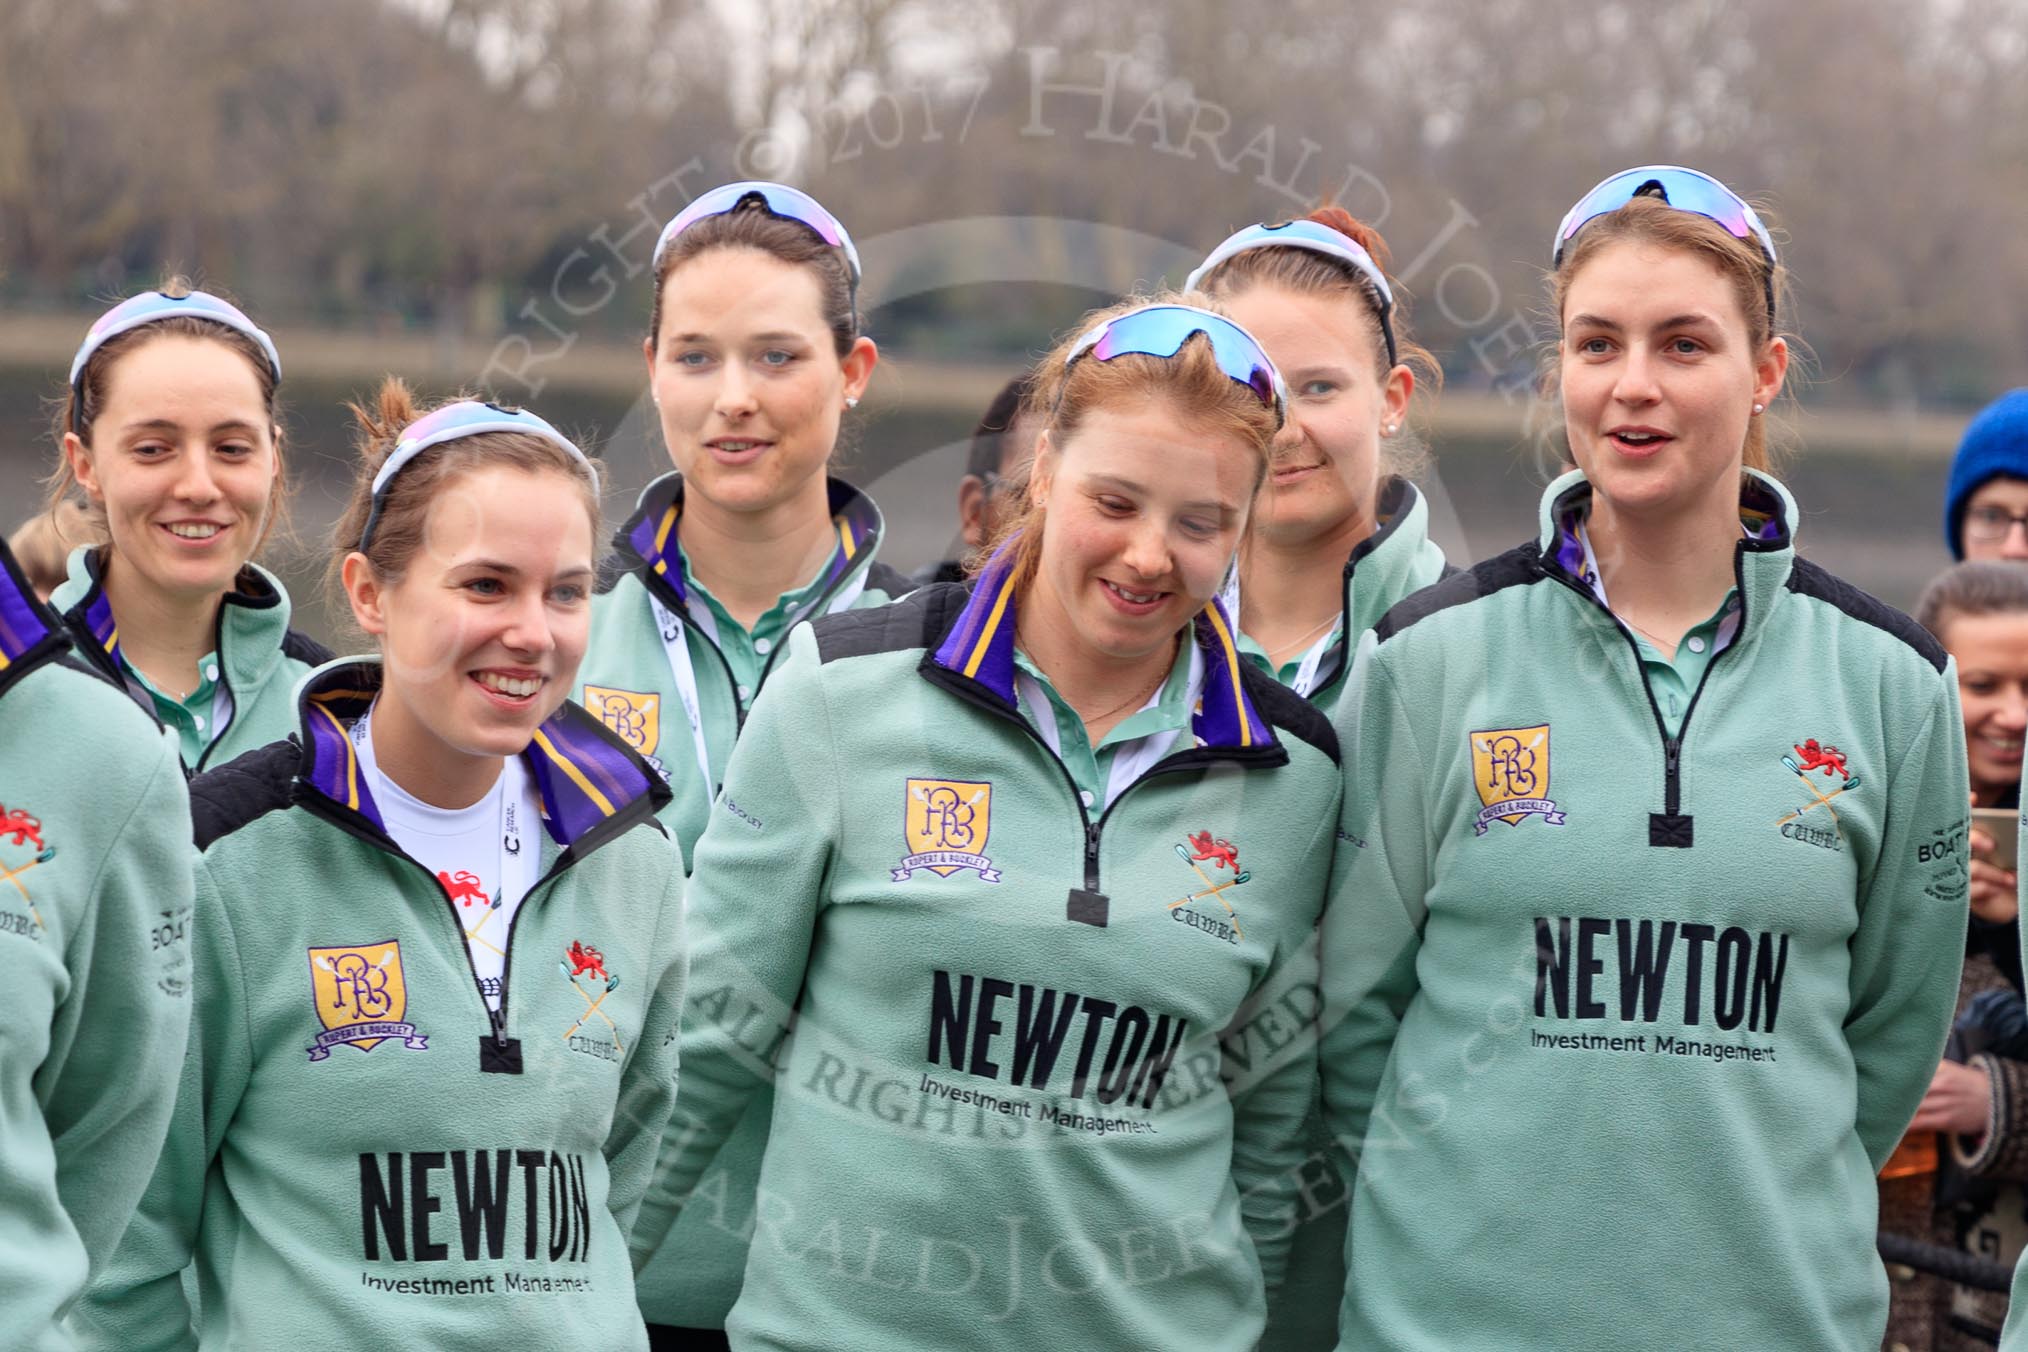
(1986, 498)
(170, 432)
(43, 541)
(1640, 957)
(1340, 535)
(754, 354)
(1002, 445)
(1977, 1102)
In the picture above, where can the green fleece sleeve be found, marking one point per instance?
(138, 1304)
(648, 1082)
(760, 873)
(1910, 943)
(1373, 917)
(109, 1082)
(1271, 1104)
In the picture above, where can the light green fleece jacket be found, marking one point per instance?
(94, 963)
(1394, 562)
(363, 1155)
(1050, 1063)
(626, 680)
(1620, 1025)
(258, 660)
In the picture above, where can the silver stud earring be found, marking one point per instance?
(851, 401)
(1758, 407)
(1390, 429)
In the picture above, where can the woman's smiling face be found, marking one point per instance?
(183, 460)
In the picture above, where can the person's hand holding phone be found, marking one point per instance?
(1995, 896)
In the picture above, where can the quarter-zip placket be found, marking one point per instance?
(1090, 906)
(1671, 828)
(498, 1054)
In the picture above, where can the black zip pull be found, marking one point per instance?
(1671, 829)
(499, 1054)
(1088, 905)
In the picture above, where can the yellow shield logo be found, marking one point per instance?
(635, 716)
(361, 997)
(945, 827)
(1510, 770)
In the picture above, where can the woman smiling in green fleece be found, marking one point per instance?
(171, 433)
(1653, 877)
(441, 956)
(1019, 856)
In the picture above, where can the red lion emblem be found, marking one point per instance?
(22, 826)
(1829, 759)
(1202, 846)
(464, 887)
(586, 962)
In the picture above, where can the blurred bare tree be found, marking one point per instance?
(346, 159)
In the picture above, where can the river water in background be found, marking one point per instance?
(1869, 518)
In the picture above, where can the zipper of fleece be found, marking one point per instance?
(1668, 829)
(1193, 759)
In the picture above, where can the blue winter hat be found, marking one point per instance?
(1995, 445)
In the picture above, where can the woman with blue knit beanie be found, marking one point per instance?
(1986, 501)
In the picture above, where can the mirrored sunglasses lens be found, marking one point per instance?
(1684, 191)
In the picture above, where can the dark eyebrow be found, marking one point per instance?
(1682, 321)
(783, 337)
(171, 425)
(514, 570)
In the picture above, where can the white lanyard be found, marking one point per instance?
(520, 852)
(1132, 759)
(1307, 675)
(677, 648)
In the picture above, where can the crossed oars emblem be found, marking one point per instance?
(1214, 890)
(13, 875)
(591, 1005)
(1795, 767)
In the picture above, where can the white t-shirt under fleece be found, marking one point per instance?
(482, 854)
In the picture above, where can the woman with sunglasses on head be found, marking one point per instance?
(1340, 536)
(440, 952)
(1010, 838)
(94, 960)
(754, 354)
(1649, 924)
(1341, 533)
(170, 432)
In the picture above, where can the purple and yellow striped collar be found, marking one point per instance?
(26, 624)
(980, 647)
(651, 534)
(582, 773)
